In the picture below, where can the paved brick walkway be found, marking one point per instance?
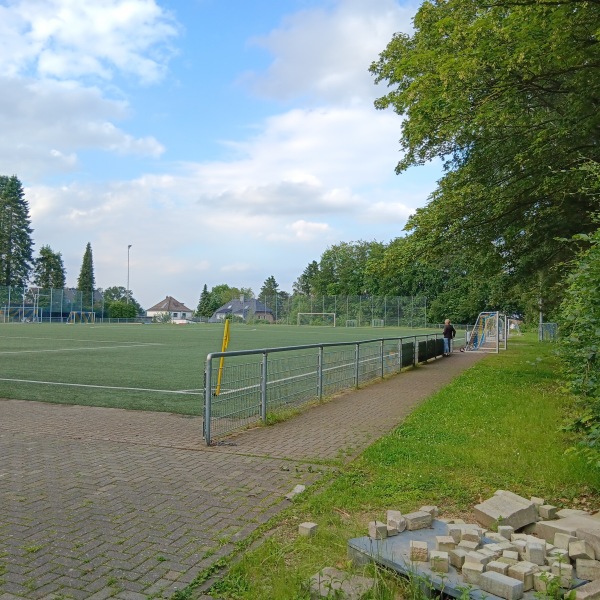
(98, 503)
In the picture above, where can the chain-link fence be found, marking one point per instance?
(360, 311)
(244, 386)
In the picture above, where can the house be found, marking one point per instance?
(246, 310)
(172, 307)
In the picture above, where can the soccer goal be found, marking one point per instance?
(77, 316)
(319, 319)
(377, 323)
(352, 323)
(488, 334)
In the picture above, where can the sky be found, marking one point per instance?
(195, 142)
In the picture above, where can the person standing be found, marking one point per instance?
(449, 333)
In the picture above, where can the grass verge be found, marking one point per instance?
(497, 426)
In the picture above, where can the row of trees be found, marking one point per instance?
(18, 267)
(507, 95)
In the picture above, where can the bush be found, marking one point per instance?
(580, 335)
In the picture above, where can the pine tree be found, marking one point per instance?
(86, 281)
(205, 305)
(16, 244)
(49, 270)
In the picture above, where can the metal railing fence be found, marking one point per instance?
(242, 387)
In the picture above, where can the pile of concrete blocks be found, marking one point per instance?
(517, 545)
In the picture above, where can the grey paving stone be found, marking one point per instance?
(104, 506)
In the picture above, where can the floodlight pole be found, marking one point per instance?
(127, 290)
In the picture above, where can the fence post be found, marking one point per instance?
(415, 351)
(320, 374)
(263, 389)
(381, 358)
(207, 398)
(400, 353)
(356, 365)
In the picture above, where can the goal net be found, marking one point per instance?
(377, 323)
(352, 323)
(319, 319)
(488, 334)
(81, 317)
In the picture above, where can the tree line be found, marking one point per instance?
(19, 267)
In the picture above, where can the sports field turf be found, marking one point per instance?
(142, 367)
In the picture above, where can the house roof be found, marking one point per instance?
(243, 307)
(169, 304)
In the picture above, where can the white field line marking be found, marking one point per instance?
(23, 337)
(102, 387)
(75, 349)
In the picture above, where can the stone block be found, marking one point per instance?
(587, 569)
(477, 557)
(496, 567)
(506, 508)
(508, 561)
(457, 558)
(396, 521)
(541, 580)
(523, 571)
(518, 536)
(439, 561)
(472, 572)
(444, 543)
(307, 529)
(455, 533)
(521, 546)
(535, 553)
(538, 501)
(419, 552)
(590, 532)
(332, 582)
(506, 531)
(581, 549)
(418, 520)
(472, 535)
(432, 510)
(562, 540)
(569, 525)
(468, 546)
(377, 530)
(565, 571)
(494, 537)
(589, 591)
(499, 547)
(512, 554)
(500, 585)
(547, 512)
(563, 513)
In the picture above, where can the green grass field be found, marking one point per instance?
(141, 367)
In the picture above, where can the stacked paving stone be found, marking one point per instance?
(533, 546)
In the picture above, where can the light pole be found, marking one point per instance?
(127, 290)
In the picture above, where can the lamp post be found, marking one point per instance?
(127, 290)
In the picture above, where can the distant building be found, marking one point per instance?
(174, 308)
(246, 310)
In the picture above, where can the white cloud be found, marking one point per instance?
(326, 54)
(66, 39)
(46, 124)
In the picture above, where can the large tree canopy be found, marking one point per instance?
(507, 95)
(49, 269)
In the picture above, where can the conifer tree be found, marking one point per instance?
(205, 305)
(16, 244)
(86, 281)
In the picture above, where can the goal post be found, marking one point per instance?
(351, 323)
(377, 323)
(320, 319)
